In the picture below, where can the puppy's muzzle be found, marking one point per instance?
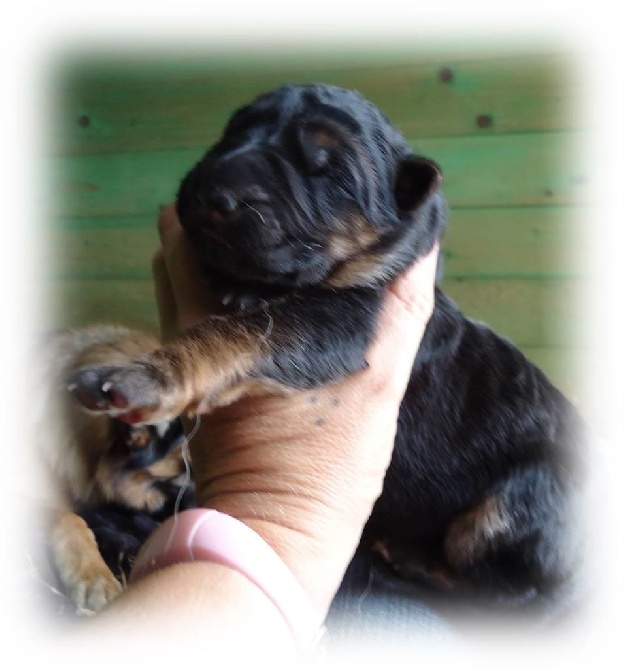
(224, 188)
(219, 204)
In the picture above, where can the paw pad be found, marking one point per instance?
(94, 390)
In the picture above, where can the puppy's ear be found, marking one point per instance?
(416, 179)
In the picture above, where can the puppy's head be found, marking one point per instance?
(310, 185)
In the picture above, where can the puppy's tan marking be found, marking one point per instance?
(136, 488)
(324, 138)
(354, 235)
(70, 442)
(472, 533)
(367, 269)
(169, 467)
(138, 437)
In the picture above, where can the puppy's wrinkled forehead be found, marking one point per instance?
(303, 178)
(341, 110)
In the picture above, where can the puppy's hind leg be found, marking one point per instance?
(520, 537)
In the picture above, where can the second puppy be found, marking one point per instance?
(105, 484)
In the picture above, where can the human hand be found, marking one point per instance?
(305, 469)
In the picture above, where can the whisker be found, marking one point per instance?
(295, 242)
(253, 209)
(269, 330)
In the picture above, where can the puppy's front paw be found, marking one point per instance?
(133, 393)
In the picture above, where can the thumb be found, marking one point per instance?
(186, 285)
(408, 305)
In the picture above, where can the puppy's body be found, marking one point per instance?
(305, 209)
(494, 453)
(93, 466)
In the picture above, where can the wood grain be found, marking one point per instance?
(137, 106)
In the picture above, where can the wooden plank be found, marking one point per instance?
(114, 249)
(532, 169)
(514, 242)
(530, 313)
(525, 242)
(118, 184)
(78, 303)
(171, 104)
(566, 370)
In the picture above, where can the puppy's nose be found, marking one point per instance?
(221, 204)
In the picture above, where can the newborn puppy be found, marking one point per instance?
(309, 204)
(105, 484)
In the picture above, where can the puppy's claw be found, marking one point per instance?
(94, 394)
(129, 393)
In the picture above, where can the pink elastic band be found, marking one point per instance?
(208, 535)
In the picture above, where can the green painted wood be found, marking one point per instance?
(79, 303)
(565, 368)
(525, 242)
(111, 251)
(532, 169)
(515, 242)
(488, 171)
(168, 103)
(118, 184)
(530, 313)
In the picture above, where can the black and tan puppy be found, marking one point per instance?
(105, 484)
(310, 203)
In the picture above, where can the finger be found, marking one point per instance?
(414, 290)
(408, 304)
(180, 260)
(182, 268)
(165, 299)
(168, 224)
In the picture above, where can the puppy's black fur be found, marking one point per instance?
(306, 208)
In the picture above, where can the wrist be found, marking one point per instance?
(211, 536)
(196, 606)
(317, 549)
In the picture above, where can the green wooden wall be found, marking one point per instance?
(503, 127)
